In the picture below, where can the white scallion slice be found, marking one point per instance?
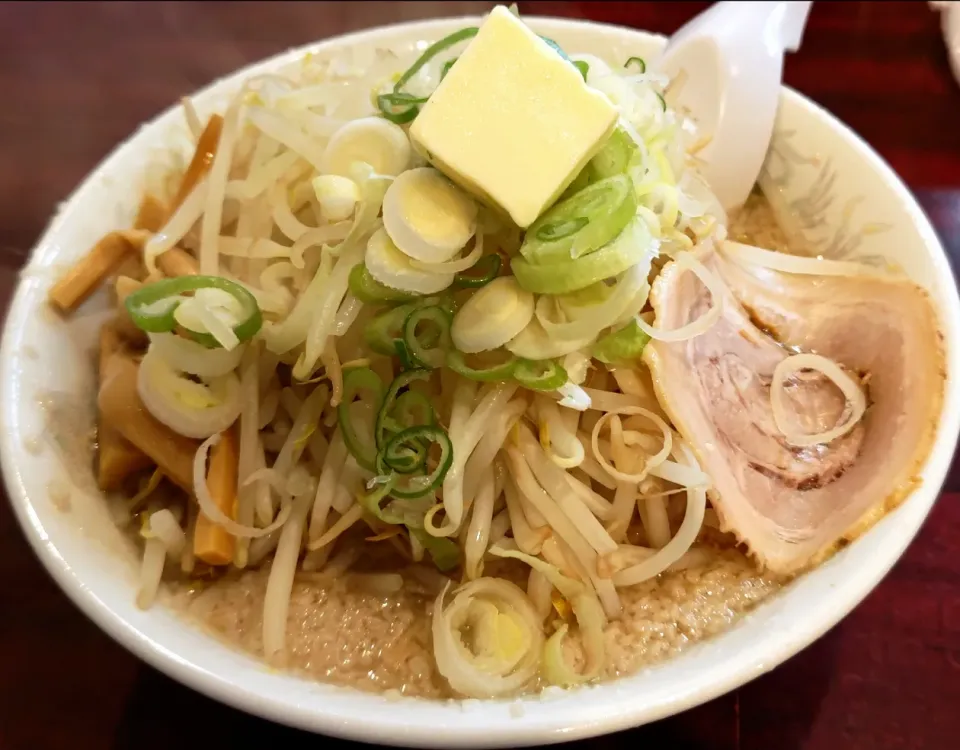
(854, 395)
(488, 640)
(372, 140)
(588, 320)
(535, 343)
(337, 196)
(492, 316)
(188, 356)
(392, 268)
(427, 216)
(194, 410)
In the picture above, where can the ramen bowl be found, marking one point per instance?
(847, 203)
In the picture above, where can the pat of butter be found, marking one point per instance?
(512, 122)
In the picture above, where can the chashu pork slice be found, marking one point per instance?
(793, 505)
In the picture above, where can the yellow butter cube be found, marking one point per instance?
(512, 122)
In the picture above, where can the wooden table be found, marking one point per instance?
(77, 78)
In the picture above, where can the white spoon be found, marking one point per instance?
(731, 56)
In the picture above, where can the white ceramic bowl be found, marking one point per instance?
(827, 165)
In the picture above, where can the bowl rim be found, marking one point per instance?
(560, 726)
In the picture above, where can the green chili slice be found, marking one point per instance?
(480, 273)
(362, 448)
(458, 363)
(152, 306)
(367, 289)
(427, 350)
(637, 62)
(540, 375)
(583, 223)
(400, 446)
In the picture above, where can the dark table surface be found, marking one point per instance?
(75, 78)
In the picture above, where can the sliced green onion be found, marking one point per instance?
(621, 347)
(540, 375)
(638, 62)
(615, 156)
(480, 274)
(409, 440)
(458, 363)
(446, 67)
(384, 331)
(583, 67)
(409, 459)
(396, 414)
(663, 102)
(152, 307)
(407, 361)
(428, 352)
(406, 406)
(356, 380)
(444, 552)
(432, 51)
(569, 276)
(370, 501)
(386, 416)
(401, 107)
(367, 289)
(583, 223)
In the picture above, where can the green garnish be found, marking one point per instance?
(583, 223)
(583, 67)
(446, 67)
(356, 380)
(623, 346)
(367, 289)
(408, 441)
(384, 331)
(572, 274)
(638, 62)
(663, 102)
(615, 157)
(388, 420)
(458, 363)
(427, 350)
(152, 307)
(542, 375)
(480, 274)
(445, 553)
(402, 107)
